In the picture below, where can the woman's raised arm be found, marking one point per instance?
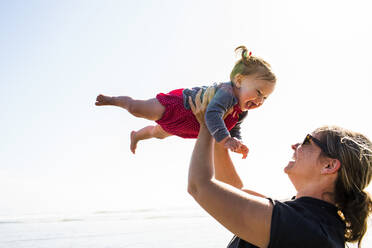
(245, 215)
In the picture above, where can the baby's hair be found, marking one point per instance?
(252, 65)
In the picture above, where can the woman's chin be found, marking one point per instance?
(289, 167)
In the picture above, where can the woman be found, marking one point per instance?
(330, 170)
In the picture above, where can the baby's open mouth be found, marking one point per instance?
(250, 105)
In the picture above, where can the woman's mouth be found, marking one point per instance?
(290, 164)
(293, 159)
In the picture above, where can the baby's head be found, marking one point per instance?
(253, 80)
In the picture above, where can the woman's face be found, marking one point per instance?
(305, 166)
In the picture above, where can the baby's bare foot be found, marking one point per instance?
(133, 142)
(102, 100)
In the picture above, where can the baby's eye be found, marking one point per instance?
(261, 95)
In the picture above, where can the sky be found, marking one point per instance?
(60, 152)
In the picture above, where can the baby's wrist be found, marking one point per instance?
(224, 140)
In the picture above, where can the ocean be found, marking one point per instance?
(175, 227)
(179, 227)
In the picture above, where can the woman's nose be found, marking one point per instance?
(294, 146)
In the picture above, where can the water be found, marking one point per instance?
(142, 228)
(177, 227)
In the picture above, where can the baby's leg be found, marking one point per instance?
(149, 109)
(146, 133)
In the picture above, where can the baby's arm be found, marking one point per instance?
(235, 132)
(222, 101)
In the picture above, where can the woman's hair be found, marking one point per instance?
(354, 151)
(252, 65)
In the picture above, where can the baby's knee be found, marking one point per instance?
(131, 106)
(159, 133)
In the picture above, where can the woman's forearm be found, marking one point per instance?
(224, 167)
(201, 165)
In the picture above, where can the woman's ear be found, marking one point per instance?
(331, 167)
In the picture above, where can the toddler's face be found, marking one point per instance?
(252, 92)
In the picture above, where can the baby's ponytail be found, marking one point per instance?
(245, 55)
(251, 65)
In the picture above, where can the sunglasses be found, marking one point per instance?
(317, 142)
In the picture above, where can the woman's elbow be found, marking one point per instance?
(192, 189)
(196, 189)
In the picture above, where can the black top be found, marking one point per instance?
(303, 222)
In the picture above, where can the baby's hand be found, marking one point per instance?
(243, 149)
(232, 143)
(236, 146)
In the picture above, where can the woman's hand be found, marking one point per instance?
(198, 109)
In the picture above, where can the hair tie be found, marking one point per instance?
(245, 54)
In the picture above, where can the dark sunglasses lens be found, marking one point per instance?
(322, 146)
(306, 140)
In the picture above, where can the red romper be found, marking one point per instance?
(177, 120)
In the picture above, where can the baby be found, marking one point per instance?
(252, 81)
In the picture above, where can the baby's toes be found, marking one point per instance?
(103, 100)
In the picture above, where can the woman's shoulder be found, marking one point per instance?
(307, 219)
(310, 208)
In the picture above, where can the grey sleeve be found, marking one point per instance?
(235, 131)
(222, 101)
(191, 92)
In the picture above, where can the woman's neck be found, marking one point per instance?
(322, 193)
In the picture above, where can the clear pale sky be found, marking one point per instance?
(59, 152)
